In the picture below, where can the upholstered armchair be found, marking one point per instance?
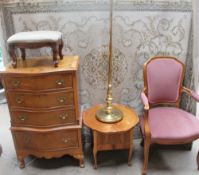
(163, 121)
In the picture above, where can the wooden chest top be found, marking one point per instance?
(42, 65)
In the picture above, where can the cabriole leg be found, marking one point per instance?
(23, 53)
(13, 57)
(54, 50)
(60, 49)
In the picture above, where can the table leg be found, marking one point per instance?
(130, 147)
(95, 148)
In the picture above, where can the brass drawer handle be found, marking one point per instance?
(19, 100)
(60, 82)
(16, 83)
(66, 140)
(27, 140)
(61, 100)
(63, 116)
(22, 117)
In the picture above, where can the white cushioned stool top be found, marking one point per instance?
(35, 37)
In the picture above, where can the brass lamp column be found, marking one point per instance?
(109, 114)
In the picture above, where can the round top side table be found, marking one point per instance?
(112, 136)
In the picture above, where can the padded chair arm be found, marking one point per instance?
(191, 93)
(145, 101)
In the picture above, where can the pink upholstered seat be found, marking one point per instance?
(171, 124)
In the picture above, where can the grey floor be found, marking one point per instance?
(164, 161)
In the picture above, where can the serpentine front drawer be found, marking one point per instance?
(42, 82)
(46, 118)
(40, 100)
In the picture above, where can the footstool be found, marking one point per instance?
(35, 39)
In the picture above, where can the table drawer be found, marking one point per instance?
(61, 139)
(37, 100)
(43, 82)
(48, 118)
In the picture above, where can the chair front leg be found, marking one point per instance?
(146, 155)
(147, 142)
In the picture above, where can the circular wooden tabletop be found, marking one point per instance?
(130, 119)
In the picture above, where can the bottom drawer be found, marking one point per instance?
(53, 140)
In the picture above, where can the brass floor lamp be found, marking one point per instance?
(109, 113)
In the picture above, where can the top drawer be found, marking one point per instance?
(43, 82)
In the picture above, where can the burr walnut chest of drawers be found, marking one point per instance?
(44, 108)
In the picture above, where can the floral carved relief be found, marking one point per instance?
(95, 67)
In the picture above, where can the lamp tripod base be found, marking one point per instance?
(103, 116)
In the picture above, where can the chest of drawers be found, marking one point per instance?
(44, 108)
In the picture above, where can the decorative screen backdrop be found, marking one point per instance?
(141, 30)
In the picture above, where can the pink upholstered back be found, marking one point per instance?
(164, 77)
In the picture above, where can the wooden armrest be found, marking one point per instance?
(191, 93)
(147, 131)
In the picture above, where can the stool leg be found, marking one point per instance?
(60, 49)
(23, 53)
(54, 49)
(11, 50)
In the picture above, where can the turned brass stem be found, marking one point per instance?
(109, 114)
(109, 91)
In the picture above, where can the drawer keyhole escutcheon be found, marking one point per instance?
(63, 116)
(60, 82)
(16, 83)
(22, 117)
(19, 100)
